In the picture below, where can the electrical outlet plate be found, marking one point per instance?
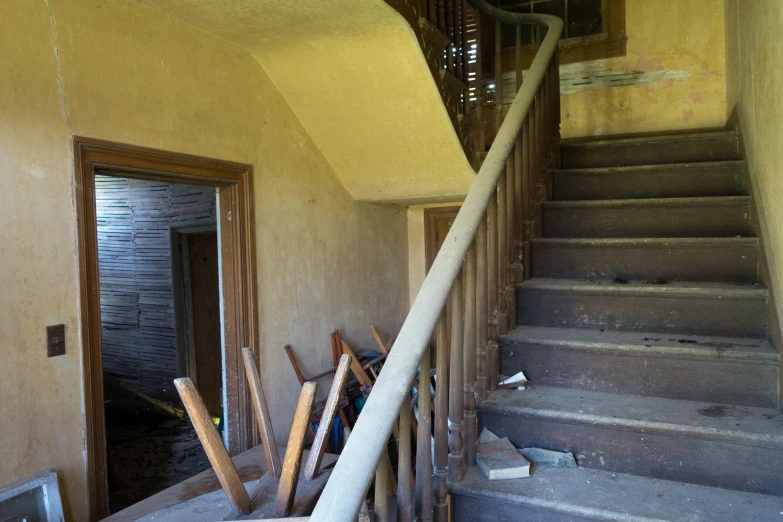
(55, 340)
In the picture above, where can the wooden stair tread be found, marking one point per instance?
(665, 138)
(741, 424)
(598, 495)
(638, 169)
(650, 202)
(649, 344)
(673, 288)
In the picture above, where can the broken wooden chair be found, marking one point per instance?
(275, 493)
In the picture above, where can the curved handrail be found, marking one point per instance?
(351, 477)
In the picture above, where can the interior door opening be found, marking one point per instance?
(167, 282)
(157, 296)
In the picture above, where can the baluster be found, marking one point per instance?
(509, 260)
(537, 163)
(502, 258)
(527, 194)
(464, 56)
(439, 486)
(404, 486)
(483, 308)
(545, 119)
(546, 107)
(498, 77)
(458, 40)
(479, 85)
(518, 55)
(542, 150)
(424, 443)
(550, 128)
(557, 102)
(442, 16)
(432, 12)
(520, 213)
(456, 457)
(381, 507)
(450, 34)
(501, 264)
(469, 355)
(492, 288)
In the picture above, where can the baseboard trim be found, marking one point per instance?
(768, 273)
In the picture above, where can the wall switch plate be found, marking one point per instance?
(55, 340)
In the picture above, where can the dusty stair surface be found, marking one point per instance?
(643, 328)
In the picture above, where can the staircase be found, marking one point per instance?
(643, 328)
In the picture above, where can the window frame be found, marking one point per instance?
(610, 43)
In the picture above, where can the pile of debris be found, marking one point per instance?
(500, 460)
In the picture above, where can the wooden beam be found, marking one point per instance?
(325, 425)
(384, 351)
(299, 375)
(356, 367)
(213, 445)
(293, 453)
(273, 467)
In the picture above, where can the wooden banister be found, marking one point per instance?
(499, 216)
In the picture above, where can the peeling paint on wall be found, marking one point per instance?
(593, 76)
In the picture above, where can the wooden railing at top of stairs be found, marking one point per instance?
(484, 255)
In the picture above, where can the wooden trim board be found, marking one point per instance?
(431, 218)
(238, 274)
(768, 273)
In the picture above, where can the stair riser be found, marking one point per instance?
(469, 508)
(702, 220)
(718, 148)
(716, 263)
(674, 182)
(715, 380)
(653, 454)
(729, 317)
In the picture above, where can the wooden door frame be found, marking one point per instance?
(238, 274)
(431, 217)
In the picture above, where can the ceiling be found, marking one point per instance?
(354, 75)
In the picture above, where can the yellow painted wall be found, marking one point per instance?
(754, 54)
(119, 71)
(681, 35)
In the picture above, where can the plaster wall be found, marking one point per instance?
(754, 81)
(685, 37)
(120, 71)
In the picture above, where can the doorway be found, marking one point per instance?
(195, 276)
(224, 248)
(437, 223)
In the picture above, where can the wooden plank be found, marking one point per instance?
(356, 367)
(336, 348)
(213, 445)
(299, 375)
(325, 425)
(261, 409)
(293, 455)
(377, 337)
